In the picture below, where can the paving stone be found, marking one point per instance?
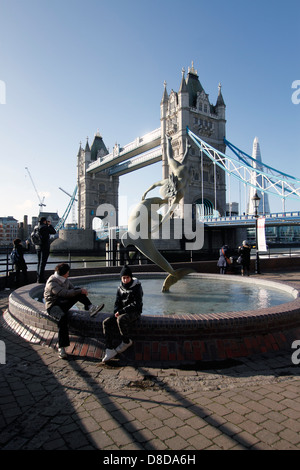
(51, 404)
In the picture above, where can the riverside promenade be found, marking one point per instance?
(47, 403)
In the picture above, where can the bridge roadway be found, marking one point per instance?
(146, 147)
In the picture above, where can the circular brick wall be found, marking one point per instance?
(174, 338)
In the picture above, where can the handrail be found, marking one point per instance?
(271, 252)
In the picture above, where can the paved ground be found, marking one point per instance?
(50, 403)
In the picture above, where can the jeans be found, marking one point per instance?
(119, 326)
(43, 255)
(60, 313)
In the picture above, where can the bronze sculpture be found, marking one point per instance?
(172, 191)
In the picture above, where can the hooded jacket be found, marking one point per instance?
(129, 299)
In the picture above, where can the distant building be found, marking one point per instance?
(8, 230)
(24, 229)
(52, 216)
(257, 181)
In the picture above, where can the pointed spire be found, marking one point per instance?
(87, 147)
(80, 149)
(183, 87)
(98, 146)
(165, 97)
(256, 151)
(192, 70)
(257, 181)
(193, 85)
(220, 100)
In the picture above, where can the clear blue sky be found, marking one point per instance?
(71, 67)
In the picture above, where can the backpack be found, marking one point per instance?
(14, 256)
(35, 236)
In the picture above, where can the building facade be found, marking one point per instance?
(190, 107)
(93, 189)
(8, 230)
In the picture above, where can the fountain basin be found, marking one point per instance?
(185, 337)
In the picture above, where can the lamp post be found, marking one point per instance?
(256, 200)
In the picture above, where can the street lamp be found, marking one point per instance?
(256, 200)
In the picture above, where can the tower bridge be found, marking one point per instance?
(186, 114)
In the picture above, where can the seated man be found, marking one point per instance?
(127, 309)
(60, 295)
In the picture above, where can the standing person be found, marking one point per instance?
(244, 256)
(19, 261)
(60, 295)
(45, 229)
(223, 260)
(127, 309)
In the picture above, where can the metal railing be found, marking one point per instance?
(113, 258)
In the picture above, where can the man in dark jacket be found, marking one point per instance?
(127, 309)
(244, 253)
(45, 229)
(20, 263)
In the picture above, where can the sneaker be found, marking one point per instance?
(123, 346)
(62, 353)
(94, 309)
(109, 354)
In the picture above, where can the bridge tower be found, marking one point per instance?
(190, 107)
(96, 188)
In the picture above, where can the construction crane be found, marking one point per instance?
(41, 204)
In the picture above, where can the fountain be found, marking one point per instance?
(184, 336)
(177, 332)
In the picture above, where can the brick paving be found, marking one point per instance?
(50, 404)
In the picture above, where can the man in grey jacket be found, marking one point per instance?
(60, 295)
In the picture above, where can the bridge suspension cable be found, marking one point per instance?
(262, 177)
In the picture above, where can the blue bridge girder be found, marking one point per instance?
(267, 180)
(146, 150)
(278, 218)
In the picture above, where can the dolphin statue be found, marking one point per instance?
(172, 191)
(147, 247)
